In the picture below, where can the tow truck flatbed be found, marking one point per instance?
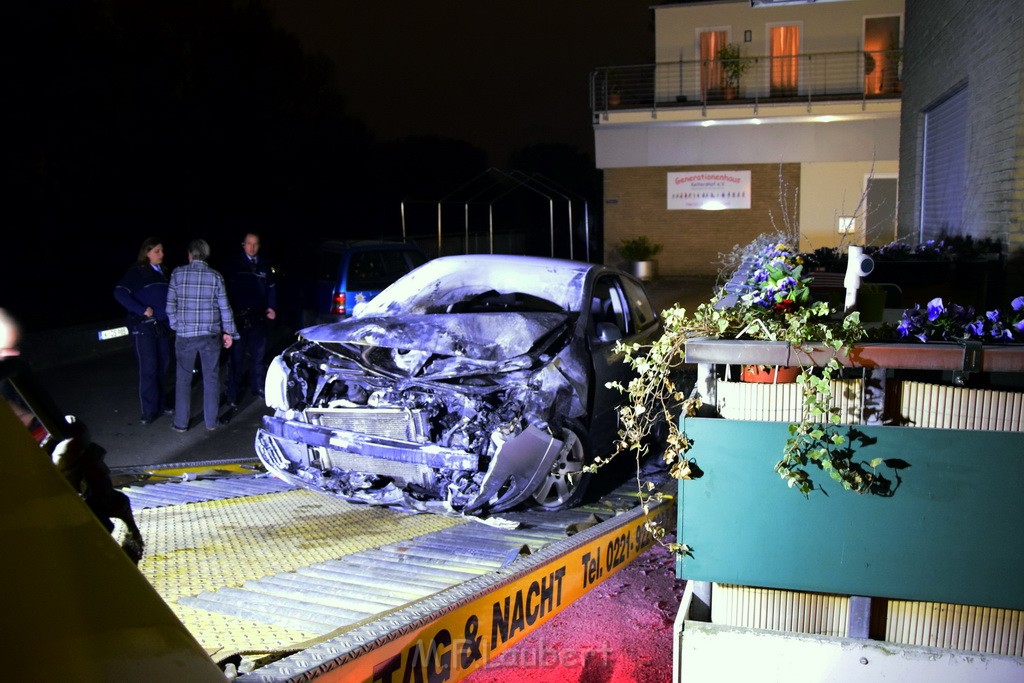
(290, 584)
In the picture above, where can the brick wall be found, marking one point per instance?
(950, 43)
(636, 201)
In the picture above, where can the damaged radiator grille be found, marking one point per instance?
(389, 423)
(402, 472)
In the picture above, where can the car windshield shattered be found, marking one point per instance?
(445, 282)
(466, 386)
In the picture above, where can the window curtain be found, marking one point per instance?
(784, 43)
(712, 76)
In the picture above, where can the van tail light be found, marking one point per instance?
(338, 307)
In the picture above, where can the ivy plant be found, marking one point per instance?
(774, 306)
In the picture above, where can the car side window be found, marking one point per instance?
(609, 306)
(640, 306)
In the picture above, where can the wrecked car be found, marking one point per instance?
(475, 383)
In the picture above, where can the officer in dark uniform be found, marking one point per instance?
(253, 295)
(143, 293)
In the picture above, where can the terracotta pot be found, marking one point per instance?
(759, 374)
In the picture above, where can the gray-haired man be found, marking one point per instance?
(198, 311)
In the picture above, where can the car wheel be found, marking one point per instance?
(566, 482)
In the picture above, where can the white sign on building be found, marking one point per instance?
(709, 190)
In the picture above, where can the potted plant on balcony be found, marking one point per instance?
(891, 79)
(613, 90)
(734, 65)
(640, 253)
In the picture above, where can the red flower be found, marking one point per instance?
(784, 306)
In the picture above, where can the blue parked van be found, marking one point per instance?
(350, 272)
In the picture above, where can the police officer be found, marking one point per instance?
(143, 293)
(253, 295)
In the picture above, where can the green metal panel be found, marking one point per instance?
(950, 533)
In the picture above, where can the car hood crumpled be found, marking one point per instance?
(488, 337)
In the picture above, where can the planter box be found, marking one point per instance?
(975, 282)
(950, 533)
(784, 402)
(892, 356)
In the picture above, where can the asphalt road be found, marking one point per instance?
(103, 393)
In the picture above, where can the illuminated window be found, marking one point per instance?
(881, 55)
(712, 76)
(784, 46)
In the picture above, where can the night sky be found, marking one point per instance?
(500, 74)
(301, 119)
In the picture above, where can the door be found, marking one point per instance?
(712, 76)
(880, 210)
(783, 48)
(882, 55)
(623, 303)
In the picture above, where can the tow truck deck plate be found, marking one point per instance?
(251, 565)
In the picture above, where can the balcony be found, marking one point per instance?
(808, 79)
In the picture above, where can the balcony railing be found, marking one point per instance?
(818, 77)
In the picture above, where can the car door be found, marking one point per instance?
(620, 311)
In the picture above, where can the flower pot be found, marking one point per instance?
(642, 270)
(762, 374)
(871, 304)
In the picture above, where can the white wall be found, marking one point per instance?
(707, 652)
(827, 27)
(832, 189)
(674, 145)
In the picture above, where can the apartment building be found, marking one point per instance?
(962, 149)
(756, 116)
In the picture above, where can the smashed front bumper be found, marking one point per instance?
(329, 460)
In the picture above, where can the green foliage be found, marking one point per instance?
(776, 307)
(638, 249)
(733, 62)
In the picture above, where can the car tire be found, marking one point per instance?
(566, 483)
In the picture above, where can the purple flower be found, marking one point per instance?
(961, 313)
(1002, 334)
(977, 328)
(787, 282)
(909, 322)
(935, 309)
(1017, 303)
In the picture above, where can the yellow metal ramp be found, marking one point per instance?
(206, 546)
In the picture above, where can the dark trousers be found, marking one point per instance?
(153, 352)
(207, 347)
(247, 353)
